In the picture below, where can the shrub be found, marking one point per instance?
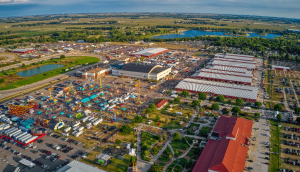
(125, 129)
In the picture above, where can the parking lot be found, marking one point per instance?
(37, 154)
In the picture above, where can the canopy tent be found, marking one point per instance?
(70, 116)
(107, 86)
(41, 102)
(85, 100)
(53, 117)
(93, 96)
(132, 96)
(123, 109)
(101, 93)
(91, 89)
(96, 101)
(62, 113)
(39, 112)
(96, 86)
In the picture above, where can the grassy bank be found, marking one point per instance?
(274, 147)
(12, 80)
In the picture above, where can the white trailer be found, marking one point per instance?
(12, 133)
(91, 119)
(25, 138)
(7, 133)
(78, 133)
(6, 127)
(31, 139)
(80, 128)
(21, 135)
(15, 133)
(75, 128)
(67, 129)
(97, 122)
(84, 119)
(8, 130)
(94, 120)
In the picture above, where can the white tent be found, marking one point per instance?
(132, 152)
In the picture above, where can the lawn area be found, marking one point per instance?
(179, 165)
(148, 139)
(189, 130)
(178, 144)
(117, 165)
(12, 80)
(194, 152)
(275, 140)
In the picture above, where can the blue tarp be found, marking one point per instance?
(101, 94)
(62, 113)
(96, 101)
(85, 100)
(123, 109)
(132, 96)
(93, 96)
(53, 117)
(39, 112)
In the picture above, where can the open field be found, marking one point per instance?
(12, 80)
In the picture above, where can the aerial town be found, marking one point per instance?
(134, 108)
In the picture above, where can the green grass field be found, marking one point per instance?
(274, 147)
(13, 81)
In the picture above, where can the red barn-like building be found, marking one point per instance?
(22, 51)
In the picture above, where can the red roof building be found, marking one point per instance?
(226, 150)
(22, 51)
(160, 103)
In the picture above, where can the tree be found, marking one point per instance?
(157, 118)
(239, 101)
(132, 123)
(220, 98)
(236, 110)
(166, 121)
(2, 80)
(297, 110)
(23, 65)
(278, 107)
(132, 159)
(148, 110)
(195, 103)
(298, 120)
(177, 100)
(62, 56)
(153, 107)
(202, 96)
(215, 106)
(138, 119)
(258, 104)
(185, 93)
(118, 142)
(159, 138)
(257, 115)
(126, 129)
(279, 117)
(176, 136)
(225, 111)
(164, 137)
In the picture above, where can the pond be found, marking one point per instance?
(38, 70)
(193, 33)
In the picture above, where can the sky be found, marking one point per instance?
(273, 8)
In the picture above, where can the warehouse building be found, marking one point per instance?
(227, 68)
(231, 91)
(247, 74)
(96, 73)
(144, 72)
(22, 51)
(283, 68)
(221, 76)
(227, 147)
(235, 57)
(150, 52)
(233, 63)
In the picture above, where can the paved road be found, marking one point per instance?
(285, 101)
(257, 152)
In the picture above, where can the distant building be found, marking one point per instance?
(161, 103)
(283, 68)
(103, 158)
(22, 51)
(150, 52)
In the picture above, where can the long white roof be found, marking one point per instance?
(218, 88)
(222, 76)
(282, 67)
(150, 51)
(235, 56)
(233, 64)
(227, 68)
(247, 74)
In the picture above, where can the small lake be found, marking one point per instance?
(38, 70)
(193, 33)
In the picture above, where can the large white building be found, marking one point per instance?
(144, 71)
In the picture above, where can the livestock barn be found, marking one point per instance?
(227, 147)
(150, 52)
(235, 57)
(283, 68)
(231, 91)
(22, 51)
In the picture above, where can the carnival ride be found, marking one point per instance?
(17, 110)
(40, 127)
